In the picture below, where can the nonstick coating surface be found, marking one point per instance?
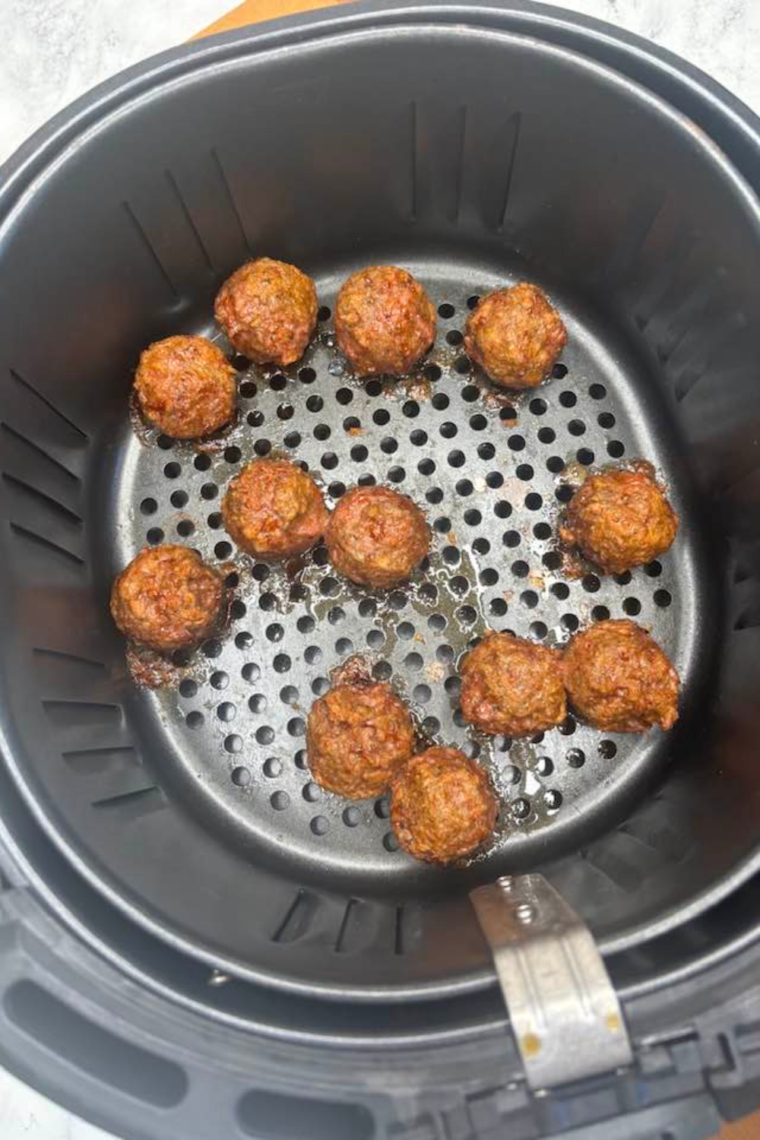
(492, 471)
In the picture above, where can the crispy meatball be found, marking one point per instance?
(515, 335)
(273, 509)
(620, 519)
(512, 686)
(168, 598)
(268, 310)
(443, 807)
(376, 536)
(384, 321)
(619, 680)
(186, 386)
(357, 736)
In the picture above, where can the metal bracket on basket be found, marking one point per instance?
(564, 1011)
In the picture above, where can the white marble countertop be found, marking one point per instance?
(56, 49)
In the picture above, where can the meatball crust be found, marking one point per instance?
(619, 680)
(443, 807)
(186, 387)
(515, 335)
(512, 686)
(620, 519)
(357, 736)
(168, 598)
(273, 509)
(384, 321)
(376, 536)
(268, 309)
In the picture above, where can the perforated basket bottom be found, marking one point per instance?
(492, 473)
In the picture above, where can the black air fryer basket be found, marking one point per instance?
(195, 941)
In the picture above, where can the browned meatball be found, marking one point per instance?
(376, 536)
(620, 519)
(515, 335)
(186, 386)
(512, 686)
(384, 321)
(168, 598)
(357, 736)
(273, 509)
(619, 680)
(268, 309)
(443, 807)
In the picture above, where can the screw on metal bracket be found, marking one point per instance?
(564, 1011)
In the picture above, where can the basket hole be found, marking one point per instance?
(241, 777)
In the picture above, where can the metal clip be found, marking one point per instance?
(564, 1011)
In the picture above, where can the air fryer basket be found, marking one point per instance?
(179, 829)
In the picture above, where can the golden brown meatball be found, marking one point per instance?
(376, 536)
(168, 598)
(268, 309)
(512, 686)
(357, 736)
(619, 680)
(273, 509)
(186, 386)
(443, 807)
(515, 335)
(384, 321)
(620, 519)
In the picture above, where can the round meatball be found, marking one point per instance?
(268, 309)
(515, 335)
(357, 736)
(619, 680)
(384, 321)
(168, 598)
(443, 807)
(620, 519)
(376, 537)
(186, 387)
(512, 686)
(273, 509)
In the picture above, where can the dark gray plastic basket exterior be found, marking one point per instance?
(232, 911)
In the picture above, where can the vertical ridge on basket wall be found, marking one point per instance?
(233, 203)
